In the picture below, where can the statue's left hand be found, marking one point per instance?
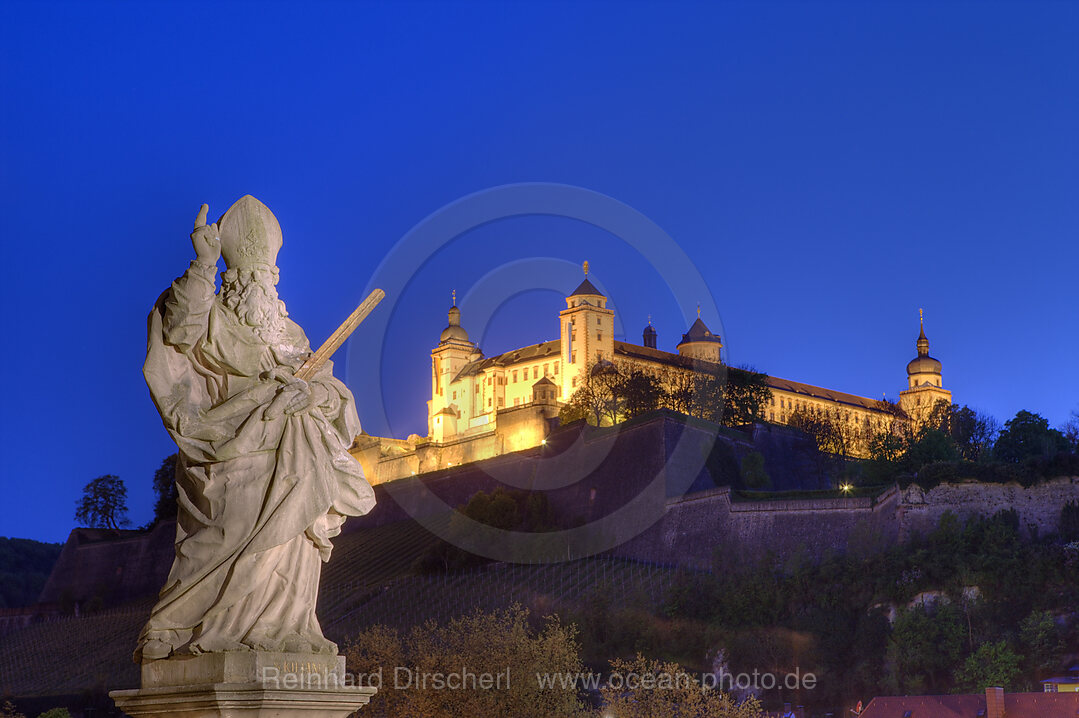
(293, 397)
(299, 397)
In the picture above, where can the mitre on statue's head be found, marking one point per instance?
(250, 234)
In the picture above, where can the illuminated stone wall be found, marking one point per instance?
(1038, 506)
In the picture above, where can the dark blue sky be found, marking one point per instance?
(828, 167)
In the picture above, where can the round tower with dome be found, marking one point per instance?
(700, 343)
(924, 381)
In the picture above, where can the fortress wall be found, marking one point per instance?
(696, 528)
(113, 566)
(709, 525)
(522, 427)
(516, 428)
(617, 465)
(601, 470)
(1038, 506)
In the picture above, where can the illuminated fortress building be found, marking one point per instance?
(482, 407)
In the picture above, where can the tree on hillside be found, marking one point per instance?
(828, 433)
(1025, 436)
(679, 391)
(7, 710)
(599, 398)
(609, 394)
(707, 399)
(644, 688)
(165, 490)
(835, 439)
(505, 643)
(993, 664)
(927, 446)
(753, 473)
(642, 393)
(103, 503)
(1071, 431)
(1041, 642)
(885, 451)
(972, 433)
(25, 566)
(925, 647)
(745, 396)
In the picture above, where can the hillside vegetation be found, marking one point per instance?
(24, 568)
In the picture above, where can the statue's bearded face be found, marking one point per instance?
(251, 293)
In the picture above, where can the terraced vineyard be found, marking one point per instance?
(369, 580)
(543, 588)
(73, 654)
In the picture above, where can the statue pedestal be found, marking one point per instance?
(244, 685)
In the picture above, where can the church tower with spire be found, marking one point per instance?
(453, 352)
(586, 333)
(924, 384)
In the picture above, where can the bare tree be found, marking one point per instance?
(103, 503)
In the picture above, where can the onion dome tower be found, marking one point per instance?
(924, 385)
(650, 335)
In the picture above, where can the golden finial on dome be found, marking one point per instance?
(921, 317)
(698, 310)
(454, 295)
(586, 267)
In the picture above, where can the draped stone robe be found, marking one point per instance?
(259, 495)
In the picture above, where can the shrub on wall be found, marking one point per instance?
(1027, 474)
(753, 474)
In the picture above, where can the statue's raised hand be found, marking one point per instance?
(205, 239)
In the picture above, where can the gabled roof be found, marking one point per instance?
(586, 288)
(1016, 705)
(794, 387)
(530, 353)
(816, 392)
(544, 381)
(657, 355)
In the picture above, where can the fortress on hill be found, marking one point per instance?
(482, 407)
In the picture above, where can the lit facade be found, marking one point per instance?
(485, 406)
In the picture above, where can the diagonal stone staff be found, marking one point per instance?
(316, 360)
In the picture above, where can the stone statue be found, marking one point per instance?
(264, 478)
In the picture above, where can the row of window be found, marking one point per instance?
(815, 409)
(548, 370)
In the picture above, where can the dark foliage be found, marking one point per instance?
(103, 503)
(728, 396)
(25, 566)
(1028, 436)
(965, 586)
